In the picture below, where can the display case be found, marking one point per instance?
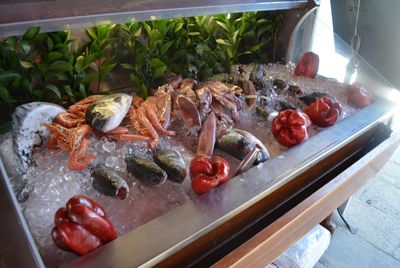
(261, 212)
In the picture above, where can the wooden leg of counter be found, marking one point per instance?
(328, 224)
(267, 245)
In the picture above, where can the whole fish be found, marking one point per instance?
(107, 113)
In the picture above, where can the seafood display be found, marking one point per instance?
(141, 158)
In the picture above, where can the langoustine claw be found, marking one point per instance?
(145, 119)
(82, 105)
(122, 133)
(163, 105)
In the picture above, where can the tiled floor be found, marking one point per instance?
(374, 214)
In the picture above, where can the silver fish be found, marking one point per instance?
(107, 113)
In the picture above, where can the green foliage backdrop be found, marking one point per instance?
(53, 67)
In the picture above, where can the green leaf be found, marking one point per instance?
(4, 94)
(26, 64)
(54, 89)
(201, 49)
(194, 33)
(67, 88)
(127, 66)
(178, 26)
(261, 31)
(143, 93)
(50, 44)
(261, 21)
(52, 56)
(61, 46)
(37, 94)
(154, 63)
(147, 28)
(90, 79)
(16, 82)
(26, 47)
(165, 47)
(6, 75)
(159, 71)
(31, 33)
(82, 90)
(255, 48)
(79, 63)
(91, 33)
(180, 54)
(61, 66)
(107, 42)
(55, 37)
(230, 52)
(52, 75)
(103, 31)
(235, 37)
(224, 25)
(11, 41)
(138, 32)
(222, 42)
(105, 69)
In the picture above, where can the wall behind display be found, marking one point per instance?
(378, 27)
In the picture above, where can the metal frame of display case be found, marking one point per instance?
(54, 15)
(203, 230)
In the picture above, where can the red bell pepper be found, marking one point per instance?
(82, 226)
(290, 127)
(358, 95)
(323, 112)
(308, 65)
(208, 173)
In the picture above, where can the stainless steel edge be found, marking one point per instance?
(17, 246)
(165, 235)
(63, 14)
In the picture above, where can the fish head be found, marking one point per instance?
(107, 113)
